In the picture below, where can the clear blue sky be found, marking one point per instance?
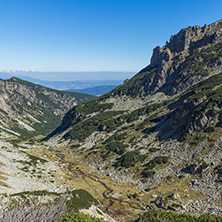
(93, 35)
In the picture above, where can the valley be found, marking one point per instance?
(41, 167)
(151, 145)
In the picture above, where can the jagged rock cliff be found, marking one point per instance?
(181, 62)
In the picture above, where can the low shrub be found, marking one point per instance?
(157, 161)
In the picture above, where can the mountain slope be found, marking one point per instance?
(160, 130)
(27, 109)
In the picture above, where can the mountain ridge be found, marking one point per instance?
(162, 127)
(27, 108)
(167, 62)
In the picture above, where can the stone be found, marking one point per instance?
(154, 196)
(175, 196)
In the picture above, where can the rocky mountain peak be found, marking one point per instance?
(187, 38)
(190, 56)
(13, 78)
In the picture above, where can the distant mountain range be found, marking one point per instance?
(91, 79)
(96, 91)
(92, 87)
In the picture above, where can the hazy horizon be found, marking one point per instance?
(68, 76)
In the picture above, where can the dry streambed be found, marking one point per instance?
(113, 197)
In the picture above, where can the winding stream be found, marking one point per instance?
(106, 193)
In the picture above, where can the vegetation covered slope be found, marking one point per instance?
(161, 130)
(42, 205)
(27, 109)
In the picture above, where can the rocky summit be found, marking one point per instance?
(160, 130)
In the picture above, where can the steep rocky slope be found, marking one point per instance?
(27, 109)
(190, 56)
(160, 130)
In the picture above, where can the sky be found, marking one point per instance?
(92, 35)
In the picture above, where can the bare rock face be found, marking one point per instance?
(182, 40)
(180, 47)
(180, 63)
(160, 55)
(190, 37)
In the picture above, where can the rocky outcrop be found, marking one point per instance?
(171, 64)
(181, 47)
(188, 38)
(160, 56)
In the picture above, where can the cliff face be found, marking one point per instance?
(187, 39)
(171, 65)
(29, 109)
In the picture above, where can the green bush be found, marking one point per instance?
(153, 149)
(116, 147)
(129, 159)
(36, 193)
(92, 106)
(204, 165)
(116, 137)
(159, 216)
(78, 217)
(147, 189)
(157, 161)
(81, 130)
(80, 199)
(147, 173)
(142, 111)
(209, 130)
(199, 61)
(207, 89)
